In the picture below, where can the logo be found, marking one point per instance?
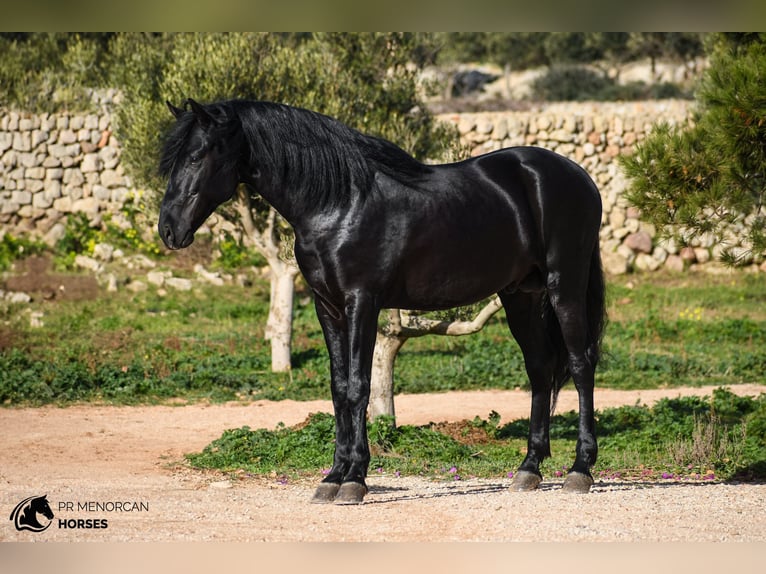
(24, 516)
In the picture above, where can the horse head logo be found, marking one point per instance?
(24, 516)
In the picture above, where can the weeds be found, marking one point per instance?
(678, 439)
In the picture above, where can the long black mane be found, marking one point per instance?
(310, 156)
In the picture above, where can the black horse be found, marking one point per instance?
(374, 229)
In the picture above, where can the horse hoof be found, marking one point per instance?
(325, 493)
(351, 493)
(525, 481)
(577, 483)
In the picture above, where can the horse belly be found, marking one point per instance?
(456, 273)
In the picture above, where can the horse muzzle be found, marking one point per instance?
(174, 237)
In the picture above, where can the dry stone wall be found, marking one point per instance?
(52, 165)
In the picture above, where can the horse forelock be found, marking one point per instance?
(174, 142)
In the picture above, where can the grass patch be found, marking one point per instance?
(208, 344)
(721, 437)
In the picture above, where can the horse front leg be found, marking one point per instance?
(362, 313)
(335, 333)
(350, 342)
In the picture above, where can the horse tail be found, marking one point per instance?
(596, 320)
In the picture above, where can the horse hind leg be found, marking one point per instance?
(528, 328)
(569, 304)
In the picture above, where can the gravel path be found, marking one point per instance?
(103, 454)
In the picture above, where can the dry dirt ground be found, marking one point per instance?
(133, 455)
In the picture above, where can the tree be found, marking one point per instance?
(709, 175)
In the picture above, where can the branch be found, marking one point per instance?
(415, 326)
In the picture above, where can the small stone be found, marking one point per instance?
(88, 263)
(137, 286)
(688, 255)
(156, 277)
(614, 263)
(103, 251)
(179, 283)
(91, 163)
(18, 298)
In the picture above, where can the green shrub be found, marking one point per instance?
(14, 248)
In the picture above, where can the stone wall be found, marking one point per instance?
(53, 165)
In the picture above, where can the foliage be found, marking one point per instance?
(365, 80)
(704, 177)
(522, 50)
(81, 235)
(47, 72)
(571, 82)
(233, 254)
(14, 248)
(718, 437)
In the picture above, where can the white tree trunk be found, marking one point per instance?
(279, 326)
(387, 345)
(389, 339)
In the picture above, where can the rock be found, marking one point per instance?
(18, 297)
(701, 254)
(88, 205)
(646, 262)
(85, 262)
(54, 234)
(157, 277)
(91, 163)
(614, 263)
(209, 277)
(137, 286)
(103, 251)
(141, 262)
(36, 319)
(179, 283)
(688, 255)
(111, 283)
(639, 241)
(674, 263)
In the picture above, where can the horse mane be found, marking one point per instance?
(320, 155)
(313, 157)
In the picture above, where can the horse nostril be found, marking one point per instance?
(167, 234)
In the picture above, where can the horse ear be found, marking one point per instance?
(204, 118)
(174, 110)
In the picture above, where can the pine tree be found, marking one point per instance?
(710, 175)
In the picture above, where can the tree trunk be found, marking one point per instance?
(390, 338)
(279, 326)
(387, 345)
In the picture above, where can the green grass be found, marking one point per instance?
(208, 344)
(721, 437)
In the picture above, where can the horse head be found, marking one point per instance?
(200, 160)
(25, 513)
